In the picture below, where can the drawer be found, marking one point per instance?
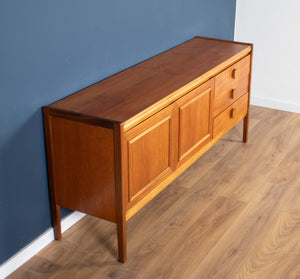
(231, 84)
(231, 116)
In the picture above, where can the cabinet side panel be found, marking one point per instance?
(83, 167)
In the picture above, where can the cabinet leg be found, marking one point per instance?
(122, 242)
(246, 128)
(56, 223)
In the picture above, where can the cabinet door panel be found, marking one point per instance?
(150, 153)
(195, 120)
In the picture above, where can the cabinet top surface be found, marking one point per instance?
(132, 91)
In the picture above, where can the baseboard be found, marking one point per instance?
(37, 245)
(275, 104)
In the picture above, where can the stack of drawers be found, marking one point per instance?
(231, 96)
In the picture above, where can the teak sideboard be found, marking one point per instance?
(115, 145)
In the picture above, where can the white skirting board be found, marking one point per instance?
(275, 104)
(37, 245)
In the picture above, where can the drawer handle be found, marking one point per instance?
(234, 73)
(232, 113)
(232, 91)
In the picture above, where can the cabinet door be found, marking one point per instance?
(195, 120)
(150, 153)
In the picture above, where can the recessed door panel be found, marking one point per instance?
(150, 153)
(195, 121)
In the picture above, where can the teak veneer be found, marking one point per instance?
(115, 145)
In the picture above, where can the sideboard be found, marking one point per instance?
(115, 145)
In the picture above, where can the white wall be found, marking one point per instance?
(273, 26)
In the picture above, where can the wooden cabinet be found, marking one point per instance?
(115, 145)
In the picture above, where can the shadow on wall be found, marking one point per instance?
(24, 178)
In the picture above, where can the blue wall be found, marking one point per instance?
(50, 49)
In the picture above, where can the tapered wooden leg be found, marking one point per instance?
(56, 223)
(121, 196)
(246, 128)
(122, 242)
(55, 208)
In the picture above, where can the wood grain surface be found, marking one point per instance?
(151, 153)
(154, 83)
(235, 213)
(231, 84)
(195, 120)
(231, 116)
(84, 182)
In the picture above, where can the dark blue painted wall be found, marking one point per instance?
(50, 49)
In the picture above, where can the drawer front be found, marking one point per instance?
(231, 116)
(231, 84)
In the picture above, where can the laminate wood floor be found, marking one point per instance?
(235, 213)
